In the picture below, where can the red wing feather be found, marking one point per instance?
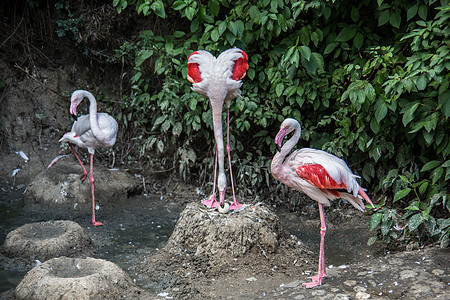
(194, 74)
(240, 67)
(318, 176)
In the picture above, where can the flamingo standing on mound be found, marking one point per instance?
(219, 79)
(320, 175)
(92, 131)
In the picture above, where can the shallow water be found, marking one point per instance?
(134, 229)
(130, 231)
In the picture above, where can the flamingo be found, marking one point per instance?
(219, 79)
(92, 131)
(320, 175)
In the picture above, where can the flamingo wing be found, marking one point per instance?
(330, 174)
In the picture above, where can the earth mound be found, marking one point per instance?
(78, 278)
(61, 185)
(45, 240)
(207, 244)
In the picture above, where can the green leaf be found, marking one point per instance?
(354, 14)
(375, 220)
(401, 194)
(415, 222)
(383, 18)
(190, 13)
(430, 165)
(158, 8)
(279, 89)
(160, 146)
(233, 27)
(347, 33)
(306, 52)
(374, 125)
(395, 20)
(141, 56)
(412, 11)
(176, 130)
(329, 48)
(254, 13)
(381, 111)
(423, 11)
(214, 7)
(215, 35)
(423, 187)
(358, 40)
(179, 5)
(408, 112)
(371, 240)
(444, 102)
(421, 82)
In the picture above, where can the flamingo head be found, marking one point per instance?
(286, 127)
(75, 100)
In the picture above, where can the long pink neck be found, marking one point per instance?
(93, 119)
(277, 161)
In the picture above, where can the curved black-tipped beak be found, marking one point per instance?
(278, 148)
(74, 117)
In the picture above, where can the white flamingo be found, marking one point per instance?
(92, 131)
(320, 175)
(219, 79)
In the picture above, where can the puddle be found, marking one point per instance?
(131, 231)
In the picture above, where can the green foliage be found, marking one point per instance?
(373, 91)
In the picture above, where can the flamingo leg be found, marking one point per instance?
(211, 202)
(235, 204)
(321, 274)
(83, 177)
(91, 179)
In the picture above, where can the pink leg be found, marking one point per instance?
(321, 274)
(211, 202)
(235, 204)
(83, 177)
(91, 179)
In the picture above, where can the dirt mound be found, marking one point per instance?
(208, 244)
(61, 185)
(78, 278)
(46, 240)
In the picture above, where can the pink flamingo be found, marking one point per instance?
(320, 175)
(219, 79)
(92, 131)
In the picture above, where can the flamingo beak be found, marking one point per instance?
(74, 117)
(279, 138)
(222, 198)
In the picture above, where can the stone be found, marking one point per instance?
(407, 274)
(362, 295)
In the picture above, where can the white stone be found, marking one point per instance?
(362, 295)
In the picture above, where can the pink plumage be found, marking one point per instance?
(219, 79)
(320, 175)
(92, 131)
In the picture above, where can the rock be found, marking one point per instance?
(44, 240)
(350, 282)
(293, 283)
(78, 278)
(407, 274)
(61, 186)
(362, 295)
(438, 272)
